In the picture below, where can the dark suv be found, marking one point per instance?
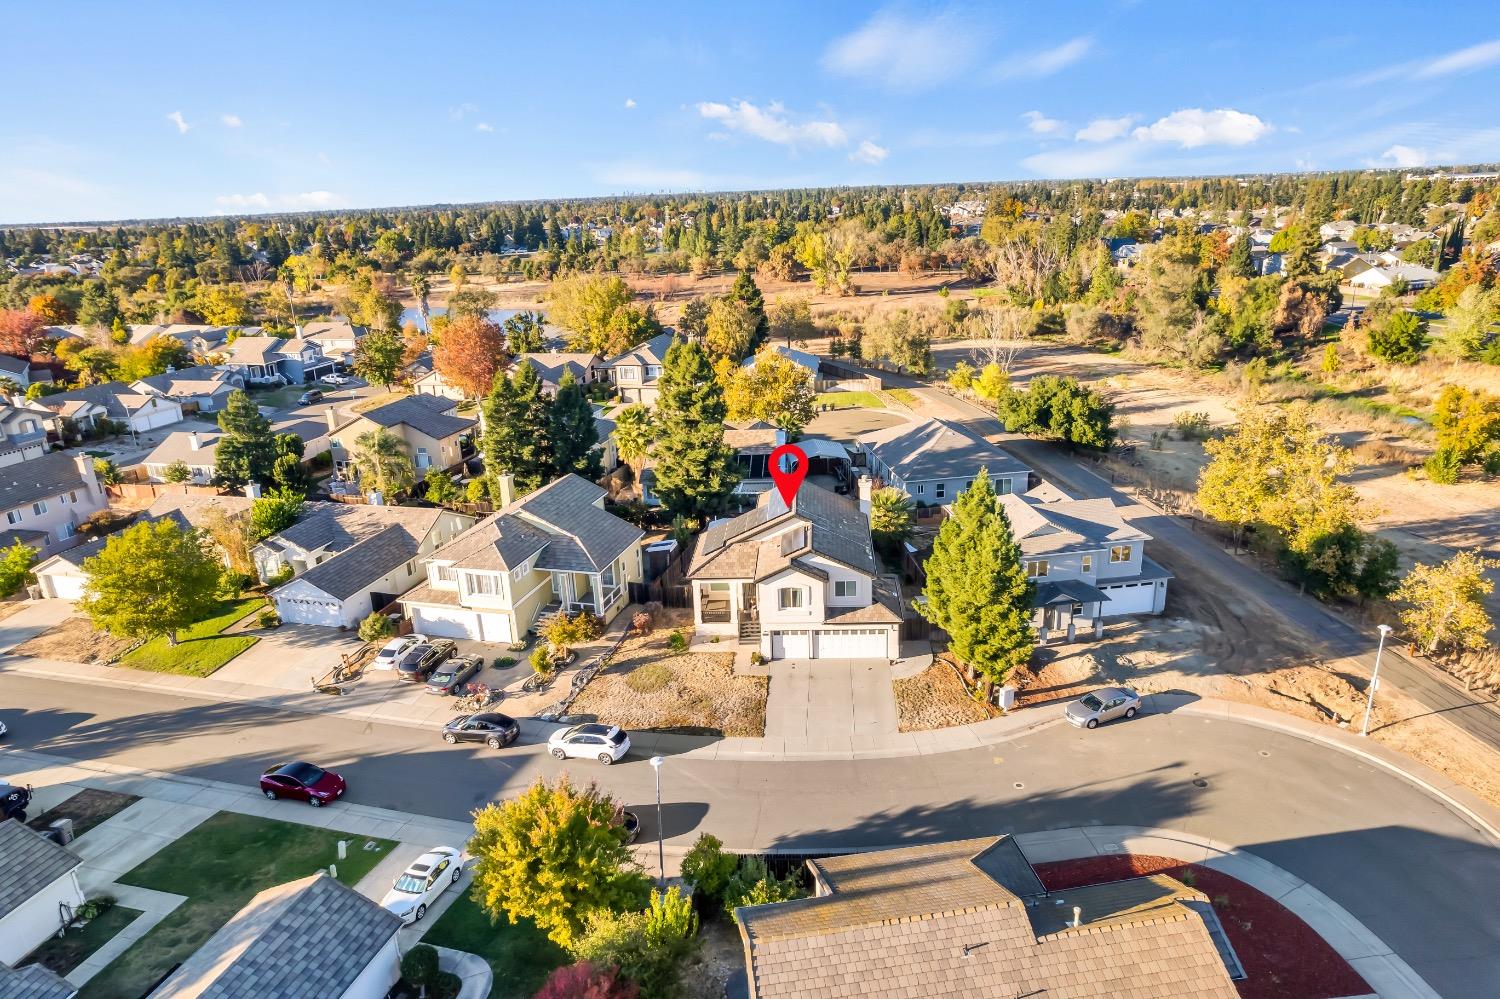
(420, 660)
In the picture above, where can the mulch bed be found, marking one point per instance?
(1283, 957)
(88, 808)
(936, 698)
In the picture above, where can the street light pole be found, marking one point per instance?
(1364, 729)
(661, 845)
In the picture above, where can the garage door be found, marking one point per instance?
(65, 587)
(791, 645)
(858, 643)
(1132, 598)
(301, 610)
(496, 627)
(157, 418)
(438, 622)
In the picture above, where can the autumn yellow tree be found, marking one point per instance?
(729, 329)
(774, 389)
(1444, 604)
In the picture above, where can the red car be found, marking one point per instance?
(302, 780)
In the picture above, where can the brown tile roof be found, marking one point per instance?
(956, 919)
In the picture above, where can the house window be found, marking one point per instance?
(481, 583)
(845, 588)
(921, 488)
(1119, 553)
(653, 371)
(1004, 487)
(411, 567)
(12, 516)
(1088, 563)
(789, 597)
(518, 572)
(66, 531)
(628, 374)
(940, 490)
(39, 507)
(1037, 568)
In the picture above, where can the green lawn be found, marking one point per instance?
(904, 396)
(849, 400)
(200, 649)
(220, 865)
(520, 956)
(62, 956)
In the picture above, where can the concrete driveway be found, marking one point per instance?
(834, 699)
(31, 620)
(287, 656)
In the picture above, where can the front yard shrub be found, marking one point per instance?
(94, 907)
(708, 868)
(641, 622)
(268, 618)
(1443, 467)
(541, 660)
(1191, 426)
(235, 583)
(753, 884)
(280, 576)
(377, 627)
(503, 661)
(678, 642)
(757, 659)
(420, 965)
(583, 979)
(648, 947)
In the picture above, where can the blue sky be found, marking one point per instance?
(124, 110)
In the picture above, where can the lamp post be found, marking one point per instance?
(1364, 729)
(661, 846)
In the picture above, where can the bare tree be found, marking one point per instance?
(1001, 332)
(1023, 265)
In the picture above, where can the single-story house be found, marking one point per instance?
(44, 499)
(309, 938)
(38, 889)
(200, 338)
(933, 461)
(195, 448)
(431, 432)
(116, 401)
(1416, 277)
(198, 389)
(971, 918)
(636, 372)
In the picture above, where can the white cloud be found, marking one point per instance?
(260, 201)
(1405, 156)
(243, 201)
(1193, 127)
(630, 102)
(177, 119)
(1105, 129)
(905, 53)
(1040, 124)
(773, 124)
(231, 120)
(1473, 57)
(484, 126)
(467, 107)
(869, 152)
(1045, 62)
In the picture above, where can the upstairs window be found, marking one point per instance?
(789, 597)
(845, 588)
(1037, 568)
(1119, 553)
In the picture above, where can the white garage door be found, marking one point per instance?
(440, 622)
(496, 627)
(303, 610)
(156, 418)
(858, 643)
(791, 645)
(1132, 598)
(64, 587)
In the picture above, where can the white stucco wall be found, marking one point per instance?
(379, 975)
(36, 919)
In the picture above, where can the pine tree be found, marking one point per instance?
(746, 290)
(247, 451)
(977, 590)
(1240, 262)
(516, 438)
(575, 438)
(695, 470)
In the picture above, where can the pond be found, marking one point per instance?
(414, 316)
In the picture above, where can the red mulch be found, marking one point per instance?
(1283, 957)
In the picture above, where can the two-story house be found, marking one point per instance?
(262, 359)
(1088, 563)
(636, 372)
(23, 430)
(552, 366)
(338, 338)
(933, 461)
(555, 550)
(431, 432)
(44, 499)
(800, 581)
(199, 389)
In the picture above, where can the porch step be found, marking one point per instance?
(749, 631)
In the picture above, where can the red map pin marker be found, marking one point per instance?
(788, 481)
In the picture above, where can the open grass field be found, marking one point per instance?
(849, 400)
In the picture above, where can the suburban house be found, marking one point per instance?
(337, 338)
(586, 368)
(23, 430)
(800, 581)
(432, 383)
(313, 937)
(1416, 277)
(753, 441)
(194, 448)
(430, 431)
(44, 499)
(971, 918)
(932, 461)
(555, 550)
(348, 560)
(20, 371)
(199, 389)
(260, 359)
(635, 373)
(38, 889)
(33, 982)
(83, 408)
(199, 338)
(1088, 563)
(801, 358)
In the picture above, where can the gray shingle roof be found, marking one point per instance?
(653, 351)
(363, 563)
(117, 398)
(423, 413)
(306, 939)
(566, 507)
(199, 380)
(33, 982)
(931, 449)
(29, 862)
(178, 446)
(39, 478)
(1067, 525)
(838, 530)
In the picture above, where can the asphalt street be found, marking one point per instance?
(1414, 872)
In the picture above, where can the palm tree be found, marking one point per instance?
(381, 462)
(635, 428)
(420, 286)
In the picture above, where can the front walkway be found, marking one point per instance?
(31, 620)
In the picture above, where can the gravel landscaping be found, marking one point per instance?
(936, 698)
(647, 686)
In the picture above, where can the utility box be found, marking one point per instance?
(62, 831)
(1005, 698)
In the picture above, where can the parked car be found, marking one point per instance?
(391, 653)
(489, 727)
(453, 673)
(1102, 705)
(418, 662)
(605, 743)
(13, 801)
(631, 824)
(303, 781)
(337, 379)
(309, 397)
(420, 885)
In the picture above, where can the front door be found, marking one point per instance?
(747, 598)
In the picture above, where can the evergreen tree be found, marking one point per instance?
(695, 470)
(247, 452)
(1240, 263)
(746, 290)
(977, 590)
(516, 438)
(575, 439)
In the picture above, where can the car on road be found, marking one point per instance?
(605, 743)
(390, 653)
(453, 673)
(417, 663)
(489, 727)
(13, 801)
(1102, 705)
(419, 885)
(631, 824)
(337, 379)
(303, 781)
(309, 397)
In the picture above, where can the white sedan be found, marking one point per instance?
(605, 743)
(391, 654)
(427, 878)
(337, 379)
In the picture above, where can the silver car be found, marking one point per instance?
(1102, 705)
